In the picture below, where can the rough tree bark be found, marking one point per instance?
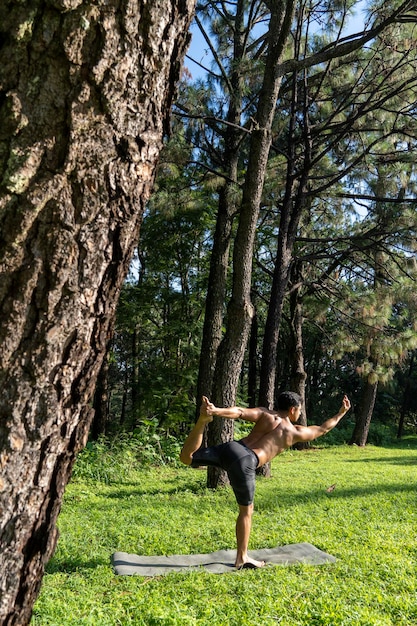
(85, 92)
(293, 205)
(222, 430)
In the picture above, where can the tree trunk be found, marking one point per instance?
(294, 203)
(298, 374)
(216, 292)
(86, 90)
(240, 310)
(264, 470)
(253, 362)
(101, 401)
(219, 261)
(363, 420)
(221, 431)
(406, 398)
(125, 392)
(134, 376)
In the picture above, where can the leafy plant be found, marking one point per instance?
(114, 460)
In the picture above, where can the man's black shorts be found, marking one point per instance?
(238, 461)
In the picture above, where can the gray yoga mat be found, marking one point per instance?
(219, 562)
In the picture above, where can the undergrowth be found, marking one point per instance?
(111, 460)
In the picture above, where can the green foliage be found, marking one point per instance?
(379, 434)
(368, 522)
(160, 314)
(115, 460)
(348, 124)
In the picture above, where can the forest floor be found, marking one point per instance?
(367, 520)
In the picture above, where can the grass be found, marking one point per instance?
(368, 522)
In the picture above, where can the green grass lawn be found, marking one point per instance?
(368, 522)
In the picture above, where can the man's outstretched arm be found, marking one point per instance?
(207, 411)
(233, 412)
(309, 433)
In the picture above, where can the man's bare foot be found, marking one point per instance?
(250, 564)
(205, 415)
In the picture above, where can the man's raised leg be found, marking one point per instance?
(243, 528)
(195, 438)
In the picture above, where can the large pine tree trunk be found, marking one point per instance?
(85, 92)
(294, 204)
(240, 310)
(273, 321)
(219, 260)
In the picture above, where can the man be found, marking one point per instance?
(273, 432)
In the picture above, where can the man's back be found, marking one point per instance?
(270, 436)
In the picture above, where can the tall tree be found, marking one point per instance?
(235, 51)
(407, 395)
(227, 357)
(240, 310)
(386, 336)
(319, 140)
(233, 37)
(86, 90)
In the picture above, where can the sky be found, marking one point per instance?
(199, 50)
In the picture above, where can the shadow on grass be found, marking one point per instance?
(72, 565)
(394, 460)
(321, 495)
(134, 490)
(285, 499)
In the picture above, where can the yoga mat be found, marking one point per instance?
(125, 564)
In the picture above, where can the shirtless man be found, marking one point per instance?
(273, 432)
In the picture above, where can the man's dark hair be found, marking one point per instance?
(287, 399)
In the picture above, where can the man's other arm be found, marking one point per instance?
(309, 433)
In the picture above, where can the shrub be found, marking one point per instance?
(111, 460)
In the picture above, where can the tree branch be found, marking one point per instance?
(348, 44)
(354, 196)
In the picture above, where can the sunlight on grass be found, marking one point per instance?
(368, 521)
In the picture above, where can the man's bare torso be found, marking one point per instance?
(270, 436)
